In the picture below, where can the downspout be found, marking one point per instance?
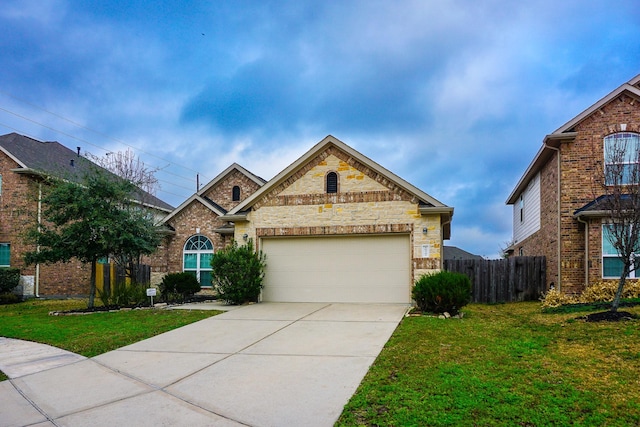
(559, 239)
(442, 224)
(586, 250)
(37, 276)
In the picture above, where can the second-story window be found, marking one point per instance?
(332, 182)
(235, 193)
(622, 158)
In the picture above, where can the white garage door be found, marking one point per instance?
(338, 269)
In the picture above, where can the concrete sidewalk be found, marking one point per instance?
(266, 364)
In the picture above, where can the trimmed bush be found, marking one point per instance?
(238, 272)
(9, 279)
(441, 292)
(176, 285)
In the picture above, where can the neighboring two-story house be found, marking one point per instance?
(554, 208)
(23, 164)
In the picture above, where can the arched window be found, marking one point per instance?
(621, 157)
(235, 194)
(332, 182)
(197, 255)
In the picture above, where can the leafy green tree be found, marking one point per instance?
(89, 220)
(238, 272)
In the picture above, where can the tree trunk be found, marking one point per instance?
(623, 278)
(92, 285)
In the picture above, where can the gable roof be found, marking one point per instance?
(210, 204)
(428, 204)
(454, 252)
(566, 132)
(52, 158)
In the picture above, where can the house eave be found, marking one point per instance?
(240, 216)
(550, 142)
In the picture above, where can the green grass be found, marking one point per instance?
(91, 334)
(503, 365)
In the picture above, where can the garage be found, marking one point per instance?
(367, 269)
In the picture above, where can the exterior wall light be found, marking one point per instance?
(245, 236)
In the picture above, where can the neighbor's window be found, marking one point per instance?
(612, 264)
(332, 182)
(621, 157)
(235, 193)
(5, 255)
(197, 255)
(521, 208)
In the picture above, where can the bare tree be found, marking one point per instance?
(127, 165)
(618, 186)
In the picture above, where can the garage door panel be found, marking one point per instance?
(338, 269)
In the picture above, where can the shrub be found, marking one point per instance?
(597, 292)
(123, 295)
(9, 279)
(238, 272)
(554, 298)
(176, 285)
(441, 292)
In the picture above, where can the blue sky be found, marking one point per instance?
(453, 96)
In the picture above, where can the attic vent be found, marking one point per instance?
(72, 163)
(332, 182)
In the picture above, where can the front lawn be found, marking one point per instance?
(503, 365)
(91, 334)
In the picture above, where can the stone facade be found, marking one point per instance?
(581, 156)
(367, 203)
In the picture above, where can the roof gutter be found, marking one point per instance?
(240, 216)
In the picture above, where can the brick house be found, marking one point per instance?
(554, 212)
(338, 227)
(194, 230)
(23, 163)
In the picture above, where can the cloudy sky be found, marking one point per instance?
(453, 96)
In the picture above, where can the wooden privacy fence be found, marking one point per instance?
(503, 280)
(114, 274)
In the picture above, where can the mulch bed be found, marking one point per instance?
(609, 316)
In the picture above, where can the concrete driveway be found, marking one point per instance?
(268, 364)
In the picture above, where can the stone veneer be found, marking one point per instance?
(367, 203)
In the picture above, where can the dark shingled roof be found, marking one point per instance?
(601, 206)
(54, 159)
(453, 252)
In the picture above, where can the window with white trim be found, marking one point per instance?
(621, 152)
(197, 255)
(612, 263)
(5, 255)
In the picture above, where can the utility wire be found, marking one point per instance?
(88, 129)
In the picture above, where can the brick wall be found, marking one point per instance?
(196, 216)
(582, 160)
(18, 212)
